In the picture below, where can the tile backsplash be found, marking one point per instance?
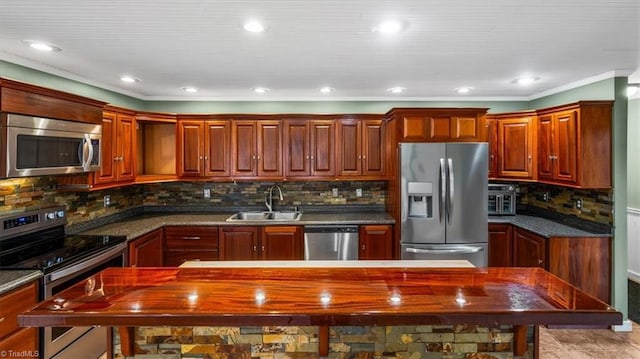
(23, 194)
(597, 204)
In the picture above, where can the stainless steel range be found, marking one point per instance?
(37, 240)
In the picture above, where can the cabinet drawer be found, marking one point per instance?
(195, 238)
(14, 303)
(176, 258)
(25, 339)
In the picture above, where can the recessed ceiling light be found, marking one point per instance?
(129, 79)
(526, 80)
(389, 27)
(190, 89)
(327, 89)
(463, 90)
(254, 26)
(42, 46)
(261, 89)
(396, 89)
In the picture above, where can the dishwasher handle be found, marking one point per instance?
(331, 229)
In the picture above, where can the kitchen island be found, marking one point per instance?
(490, 300)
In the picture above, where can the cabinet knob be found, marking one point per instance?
(255, 248)
(540, 261)
(206, 158)
(308, 157)
(364, 247)
(359, 157)
(200, 157)
(364, 157)
(258, 158)
(253, 157)
(262, 248)
(312, 157)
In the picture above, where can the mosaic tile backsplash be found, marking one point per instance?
(597, 205)
(345, 342)
(18, 195)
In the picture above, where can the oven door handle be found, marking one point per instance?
(91, 262)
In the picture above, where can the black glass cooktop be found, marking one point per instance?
(51, 249)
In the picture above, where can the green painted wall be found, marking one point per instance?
(633, 151)
(601, 90)
(28, 75)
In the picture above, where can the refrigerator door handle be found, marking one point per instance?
(451, 186)
(456, 250)
(443, 189)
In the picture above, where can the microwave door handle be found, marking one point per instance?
(451, 193)
(442, 189)
(87, 152)
(499, 203)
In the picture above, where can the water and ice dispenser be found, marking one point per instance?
(420, 199)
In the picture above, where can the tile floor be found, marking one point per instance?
(589, 344)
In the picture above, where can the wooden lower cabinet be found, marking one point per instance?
(376, 242)
(13, 303)
(500, 245)
(584, 262)
(528, 249)
(190, 243)
(147, 250)
(261, 242)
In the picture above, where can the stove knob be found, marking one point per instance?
(58, 259)
(51, 215)
(60, 214)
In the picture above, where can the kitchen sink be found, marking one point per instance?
(265, 216)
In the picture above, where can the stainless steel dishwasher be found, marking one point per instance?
(331, 242)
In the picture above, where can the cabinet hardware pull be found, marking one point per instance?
(1, 319)
(200, 157)
(206, 158)
(255, 248)
(253, 157)
(359, 157)
(307, 157)
(263, 248)
(364, 157)
(311, 157)
(258, 158)
(364, 247)
(191, 238)
(540, 261)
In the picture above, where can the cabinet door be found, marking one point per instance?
(545, 147)
(124, 140)
(492, 139)
(565, 143)
(516, 148)
(439, 128)
(269, 148)
(238, 243)
(349, 147)
(500, 245)
(322, 148)
(218, 149)
(465, 128)
(107, 173)
(147, 250)
(373, 148)
(190, 142)
(244, 154)
(375, 242)
(190, 243)
(281, 243)
(529, 249)
(414, 128)
(297, 157)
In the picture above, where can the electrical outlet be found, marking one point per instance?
(207, 193)
(545, 196)
(358, 192)
(107, 201)
(334, 192)
(579, 204)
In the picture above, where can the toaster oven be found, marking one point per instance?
(502, 199)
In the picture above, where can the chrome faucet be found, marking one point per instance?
(268, 200)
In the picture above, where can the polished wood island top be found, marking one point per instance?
(320, 296)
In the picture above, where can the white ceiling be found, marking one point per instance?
(308, 44)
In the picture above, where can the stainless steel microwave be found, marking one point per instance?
(502, 199)
(37, 146)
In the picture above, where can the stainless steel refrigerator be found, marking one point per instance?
(444, 201)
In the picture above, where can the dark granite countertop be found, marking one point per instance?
(11, 279)
(139, 225)
(545, 227)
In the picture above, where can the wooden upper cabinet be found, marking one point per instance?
(361, 148)
(516, 147)
(217, 148)
(204, 148)
(492, 139)
(190, 148)
(574, 144)
(117, 152)
(439, 125)
(155, 139)
(310, 148)
(257, 149)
